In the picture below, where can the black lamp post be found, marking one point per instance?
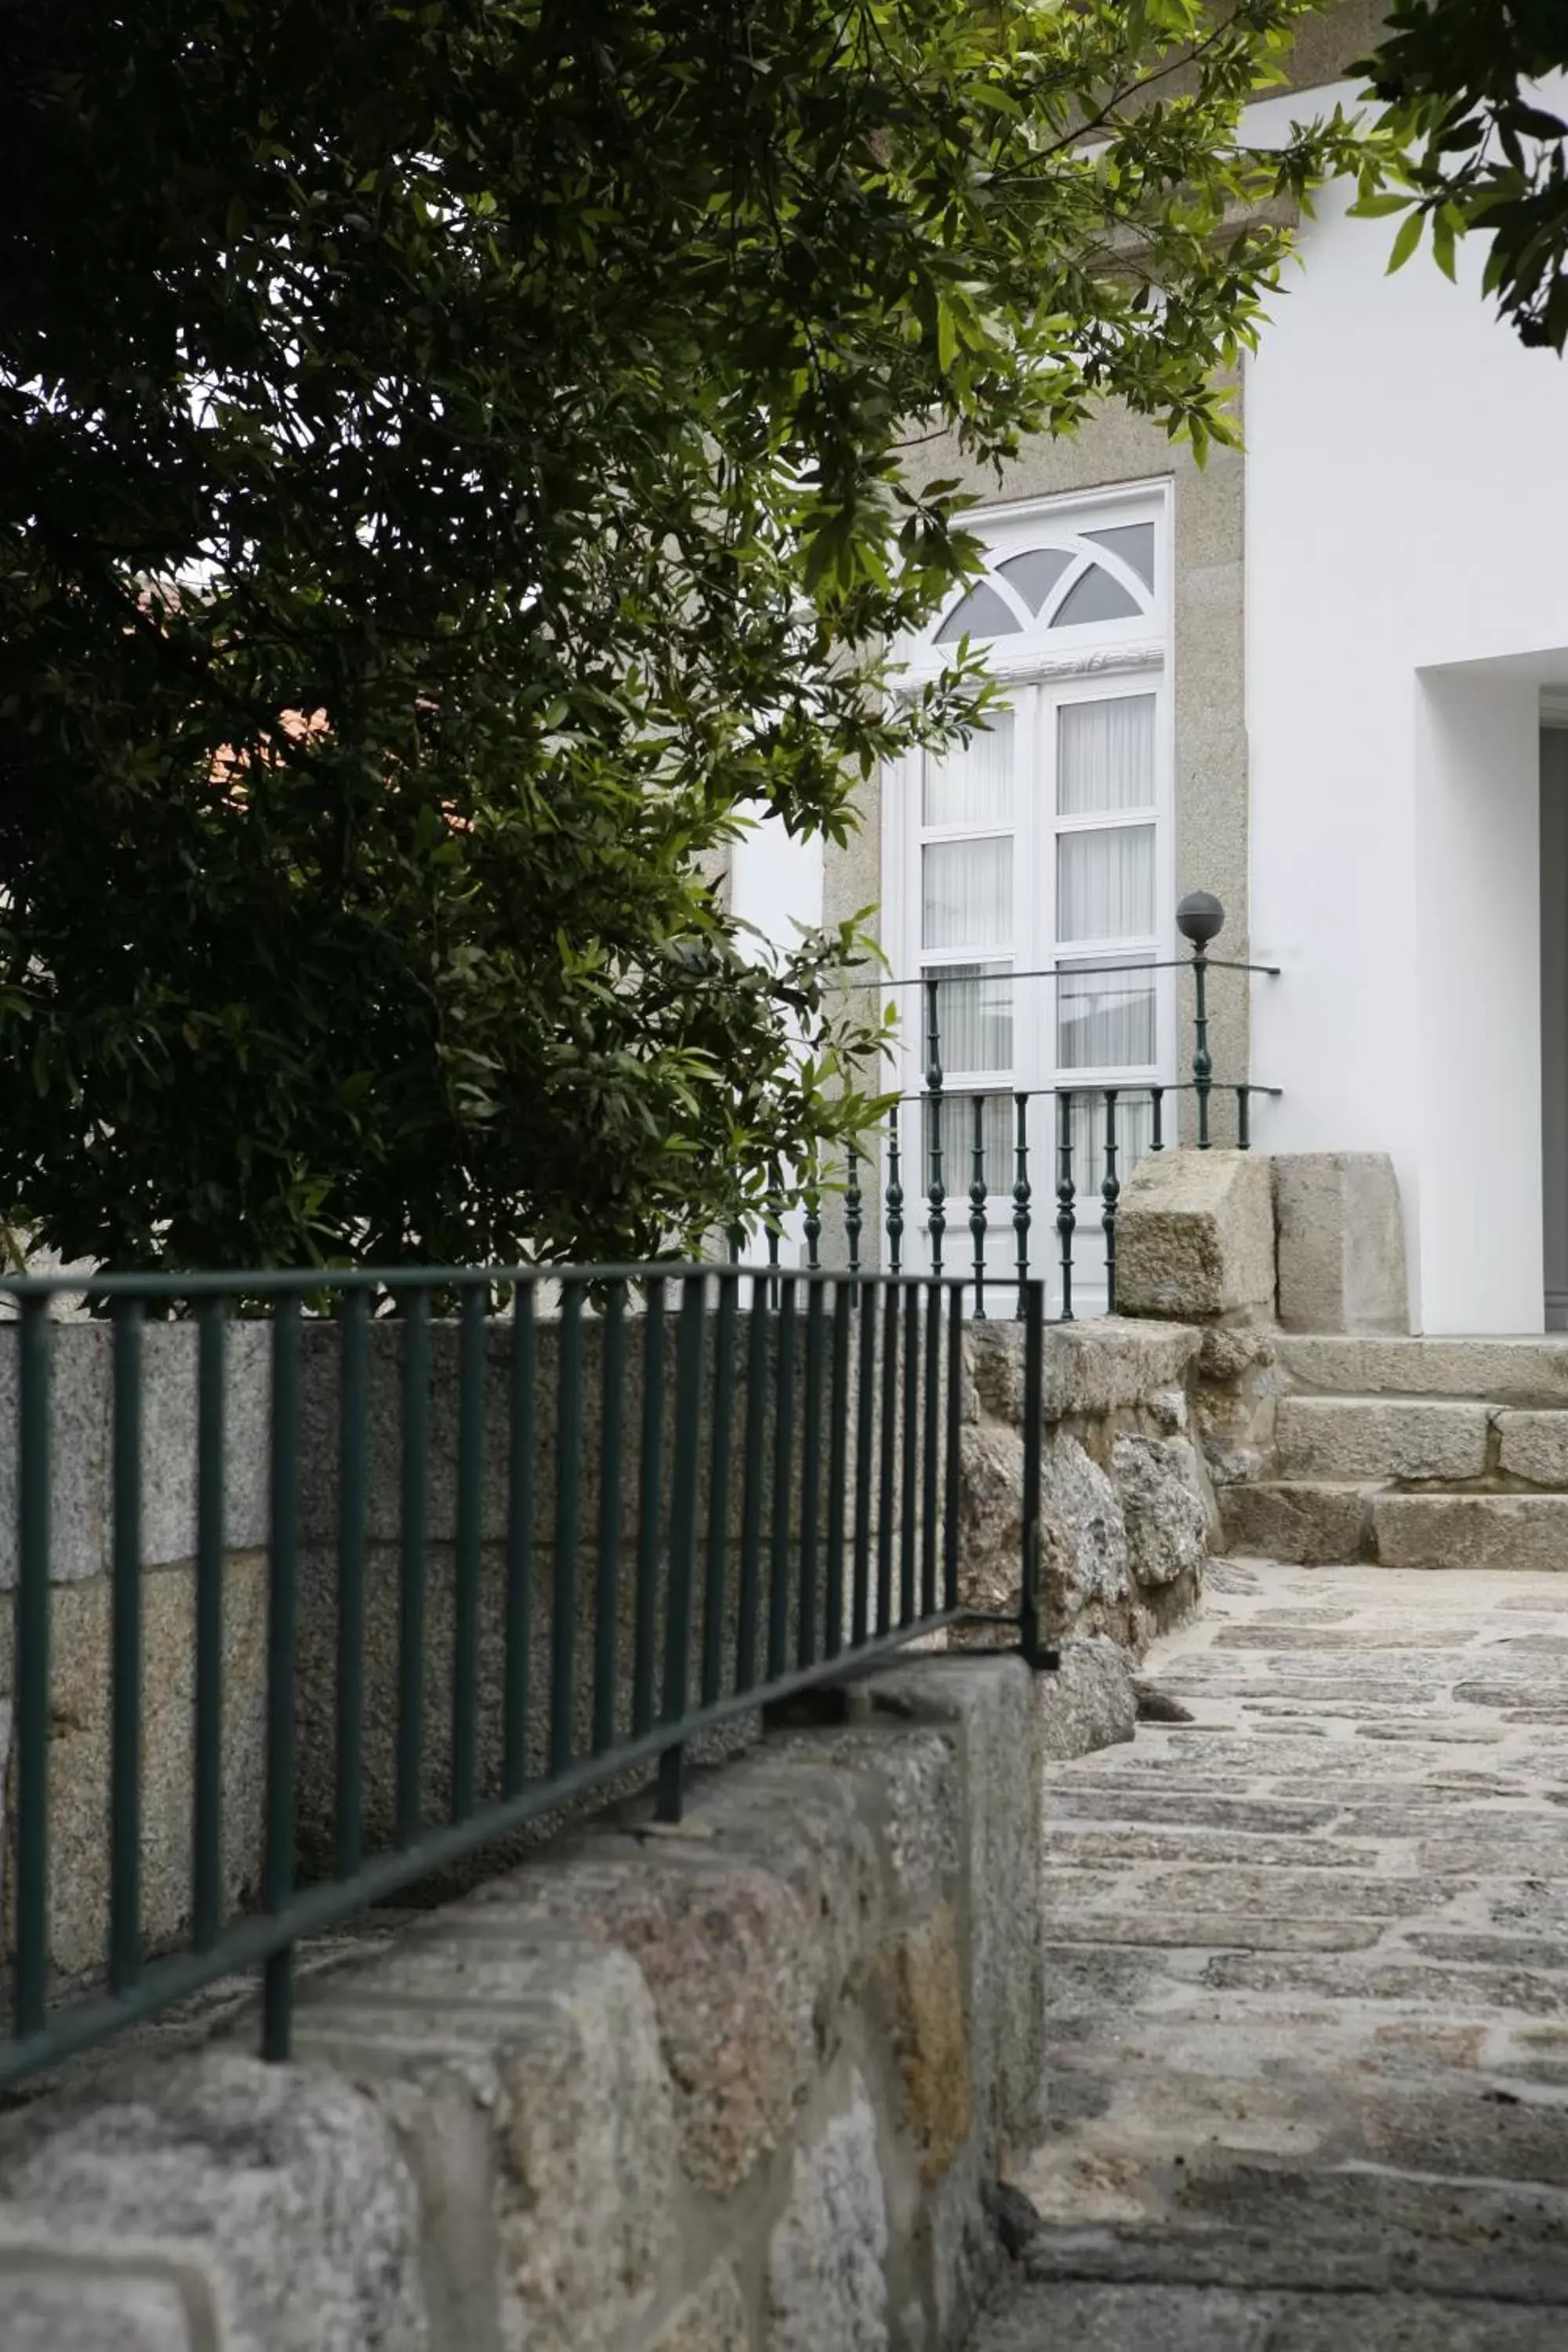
(1200, 917)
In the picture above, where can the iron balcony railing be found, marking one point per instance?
(520, 1533)
(1087, 1121)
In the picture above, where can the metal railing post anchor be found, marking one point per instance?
(1200, 917)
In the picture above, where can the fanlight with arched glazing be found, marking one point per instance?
(1105, 575)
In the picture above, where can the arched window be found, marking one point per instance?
(1027, 872)
(1065, 584)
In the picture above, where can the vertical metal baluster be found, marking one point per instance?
(718, 1490)
(607, 1582)
(471, 1353)
(520, 1542)
(932, 1484)
(1110, 1194)
(886, 1493)
(1244, 1119)
(853, 1208)
(977, 1204)
(353, 1407)
(865, 1433)
(415, 1566)
(1157, 1108)
(838, 1470)
(568, 1526)
(811, 1474)
(895, 1196)
(1066, 1221)
(811, 1223)
(278, 1867)
(206, 1801)
(31, 1681)
(1203, 1065)
(952, 1469)
(1021, 1193)
(125, 1721)
(908, 1526)
(774, 1214)
(783, 1428)
(1033, 1436)
(645, 1608)
(937, 1195)
(752, 1500)
(682, 1539)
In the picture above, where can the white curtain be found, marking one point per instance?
(1105, 883)
(974, 1018)
(966, 889)
(1134, 1126)
(973, 783)
(1105, 1021)
(1105, 755)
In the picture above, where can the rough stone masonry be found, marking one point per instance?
(741, 2087)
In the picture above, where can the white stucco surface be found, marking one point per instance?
(1406, 601)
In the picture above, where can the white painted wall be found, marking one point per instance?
(775, 883)
(1407, 595)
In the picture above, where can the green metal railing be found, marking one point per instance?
(780, 1509)
(939, 1183)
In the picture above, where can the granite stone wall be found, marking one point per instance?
(740, 2087)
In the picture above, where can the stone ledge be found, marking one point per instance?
(1505, 1372)
(1195, 1237)
(1377, 1437)
(1523, 1531)
(1107, 1364)
(1534, 1445)
(682, 2090)
(1316, 1524)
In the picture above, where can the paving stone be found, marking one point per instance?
(1113, 1847)
(1237, 1814)
(1244, 1893)
(1490, 1951)
(1211, 1930)
(1099, 2318)
(1307, 1987)
(1453, 1987)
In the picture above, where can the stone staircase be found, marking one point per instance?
(1412, 1452)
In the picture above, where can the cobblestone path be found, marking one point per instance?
(1307, 1988)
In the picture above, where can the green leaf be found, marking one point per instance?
(1405, 242)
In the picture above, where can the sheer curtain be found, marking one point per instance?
(966, 891)
(973, 1016)
(1105, 755)
(1134, 1127)
(1105, 1020)
(1105, 883)
(973, 783)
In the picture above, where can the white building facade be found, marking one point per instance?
(1326, 678)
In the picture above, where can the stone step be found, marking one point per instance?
(1316, 1522)
(1470, 1530)
(1526, 1371)
(1322, 1522)
(1344, 1437)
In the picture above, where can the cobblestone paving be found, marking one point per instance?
(1308, 1956)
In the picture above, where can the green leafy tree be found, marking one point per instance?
(1479, 150)
(452, 461)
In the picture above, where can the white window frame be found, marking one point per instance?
(1047, 668)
